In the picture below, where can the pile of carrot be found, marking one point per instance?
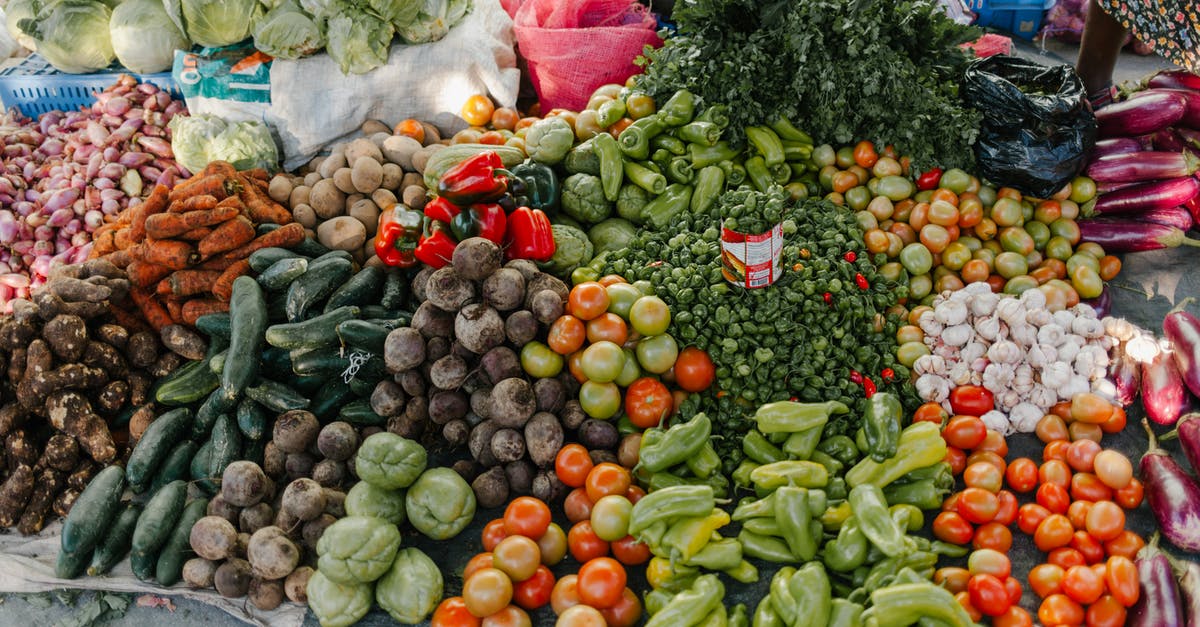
(182, 248)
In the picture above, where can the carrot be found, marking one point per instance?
(222, 288)
(170, 253)
(167, 225)
(216, 185)
(105, 243)
(282, 237)
(151, 309)
(119, 258)
(163, 287)
(123, 238)
(218, 264)
(127, 319)
(156, 202)
(196, 234)
(143, 274)
(258, 174)
(261, 208)
(232, 201)
(194, 203)
(197, 307)
(174, 309)
(191, 282)
(224, 168)
(227, 236)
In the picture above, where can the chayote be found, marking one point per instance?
(440, 504)
(412, 588)
(357, 549)
(336, 604)
(365, 499)
(389, 461)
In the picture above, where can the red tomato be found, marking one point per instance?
(1065, 557)
(518, 557)
(931, 412)
(1130, 496)
(625, 613)
(583, 542)
(1088, 487)
(977, 505)
(1083, 585)
(630, 552)
(1121, 578)
(577, 506)
(572, 465)
(1105, 521)
(1006, 514)
(1059, 609)
(452, 612)
(993, 442)
(1046, 579)
(1106, 612)
(1077, 513)
(493, 533)
(1014, 589)
(1081, 455)
(476, 564)
(1022, 474)
(694, 370)
(566, 335)
(1029, 516)
(992, 535)
(965, 432)
(1126, 545)
(587, 300)
(1053, 532)
(988, 595)
(972, 400)
(1016, 616)
(535, 591)
(648, 402)
(1056, 472)
(1054, 498)
(601, 582)
(1090, 548)
(526, 516)
(957, 459)
(953, 528)
(552, 545)
(1055, 450)
(983, 475)
(565, 594)
(605, 479)
(964, 599)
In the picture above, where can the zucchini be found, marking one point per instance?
(282, 273)
(214, 325)
(360, 414)
(88, 519)
(310, 247)
(264, 258)
(395, 289)
(178, 547)
(361, 289)
(363, 335)
(322, 278)
(116, 542)
(157, 441)
(175, 466)
(329, 399)
(277, 397)
(187, 384)
(248, 312)
(226, 448)
(311, 333)
(154, 526)
(251, 419)
(451, 156)
(216, 365)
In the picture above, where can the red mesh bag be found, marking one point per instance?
(574, 46)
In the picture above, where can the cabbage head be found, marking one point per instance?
(215, 23)
(16, 11)
(245, 145)
(358, 41)
(191, 136)
(433, 21)
(143, 37)
(286, 32)
(319, 9)
(72, 35)
(398, 12)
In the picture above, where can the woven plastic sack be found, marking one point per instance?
(574, 46)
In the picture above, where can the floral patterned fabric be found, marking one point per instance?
(1170, 27)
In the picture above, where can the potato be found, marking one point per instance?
(543, 437)
(421, 157)
(265, 594)
(491, 488)
(384, 199)
(255, 517)
(520, 328)
(414, 197)
(432, 134)
(213, 538)
(312, 178)
(400, 150)
(334, 162)
(370, 127)
(476, 258)
(305, 215)
(295, 431)
(467, 469)
(280, 188)
(344, 180)
(392, 176)
(299, 196)
(198, 573)
(327, 200)
(478, 328)
(243, 483)
(304, 499)
(366, 212)
(504, 289)
(404, 348)
(271, 554)
(295, 587)
(313, 164)
(362, 147)
(412, 178)
(508, 445)
(366, 175)
(232, 578)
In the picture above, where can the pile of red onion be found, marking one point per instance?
(66, 172)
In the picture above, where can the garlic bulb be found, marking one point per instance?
(932, 388)
(988, 328)
(1004, 352)
(951, 312)
(957, 335)
(1051, 334)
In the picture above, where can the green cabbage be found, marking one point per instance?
(216, 23)
(16, 11)
(286, 32)
(358, 41)
(144, 37)
(319, 9)
(398, 12)
(246, 145)
(72, 35)
(612, 234)
(190, 137)
(433, 21)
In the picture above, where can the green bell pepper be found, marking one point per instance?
(679, 109)
(848, 550)
(921, 445)
(709, 185)
(542, 187)
(645, 178)
(765, 616)
(781, 597)
(744, 572)
(670, 503)
(925, 494)
(635, 139)
(704, 156)
(905, 604)
(841, 448)
(765, 548)
(682, 441)
(793, 417)
(803, 444)
(670, 143)
(881, 425)
(723, 554)
(692, 605)
(757, 448)
(767, 143)
(703, 133)
(610, 113)
(760, 177)
(803, 474)
(843, 613)
(741, 475)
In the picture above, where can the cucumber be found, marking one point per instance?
(175, 466)
(178, 547)
(207, 413)
(333, 254)
(251, 419)
(360, 414)
(378, 312)
(322, 278)
(361, 289)
(214, 325)
(277, 309)
(276, 360)
(159, 438)
(310, 247)
(331, 361)
(90, 515)
(226, 448)
(199, 466)
(116, 542)
(187, 384)
(282, 273)
(264, 258)
(248, 312)
(329, 399)
(216, 346)
(363, 335)
(308, 385)
(254, 450)
(154, 527)
(216, 365)
(395, 289)
(311, 333)
(363, 388)
(277, 397)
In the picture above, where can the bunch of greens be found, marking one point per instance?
(844, 69)
(802, 337)
(748, 211)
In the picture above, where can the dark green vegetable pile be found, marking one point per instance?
(786, 340)
(751, 212)
(844, 70)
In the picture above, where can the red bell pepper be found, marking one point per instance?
(529, 235)
(485, 220)
(397, 236)
(480, 178)
(441, 210)
(929, 179)
(435, 249)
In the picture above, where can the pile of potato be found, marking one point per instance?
(338, 197)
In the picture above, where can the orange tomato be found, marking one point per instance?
(1059, 609)
(1053, 532)
(1090, 408)
(931, 412)
(452, 612)
(505, 118)
(864, 154)
(411, 128)
(566, 335)
(607, 326)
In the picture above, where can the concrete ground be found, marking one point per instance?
(72, 610)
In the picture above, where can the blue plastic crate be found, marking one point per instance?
(34, 87)
(1021, 18)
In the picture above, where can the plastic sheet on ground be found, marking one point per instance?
(27, 565)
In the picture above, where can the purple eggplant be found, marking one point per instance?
(1183, 331)
(1191, 104)
(1147, 113)
(1163, 393)
(1101, 304)
(1108, 187)
(1188, 574)
(1190, 137)
(1173, 495)
(1177, 217)
(1174, 79)
(1168, 140)
(1143, 166)
(1193, 207)
(1116, 146)
(1155, 195)
(1126, 375)
(1130, 236)
(1158, 604)
(1187, 431)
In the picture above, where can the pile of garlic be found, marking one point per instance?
(1028, 357)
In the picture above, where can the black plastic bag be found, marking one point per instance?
(1037, 127)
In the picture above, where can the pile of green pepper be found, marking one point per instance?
(681, 455)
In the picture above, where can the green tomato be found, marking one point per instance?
(909, 352)
(538, 361)
(845, 157)
(881, 207)
(1039, 232)
(1091, 248)
(987, 255)
(896, 188)
(972, 243)
(600, 400)
(873, 185)
(1010, 264)
(956, 256)
(610, 517)
(1007, 212)
(993, 246)
(657, 354)
(955, 180)
(892, 271)
(1083, 189)
(1082, 259)
(621, 297)
(1015, 239)
(601, 362)
(823, 155)
(650, 315)
(583, 274)
(630, 372)
(916, 258)
(866, 220)
(1027, 211)
(857, 198)
(987, 195)
(1019, 284)
(1059, 248)
(924, 195)
(1065, 227)
(920, 286)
